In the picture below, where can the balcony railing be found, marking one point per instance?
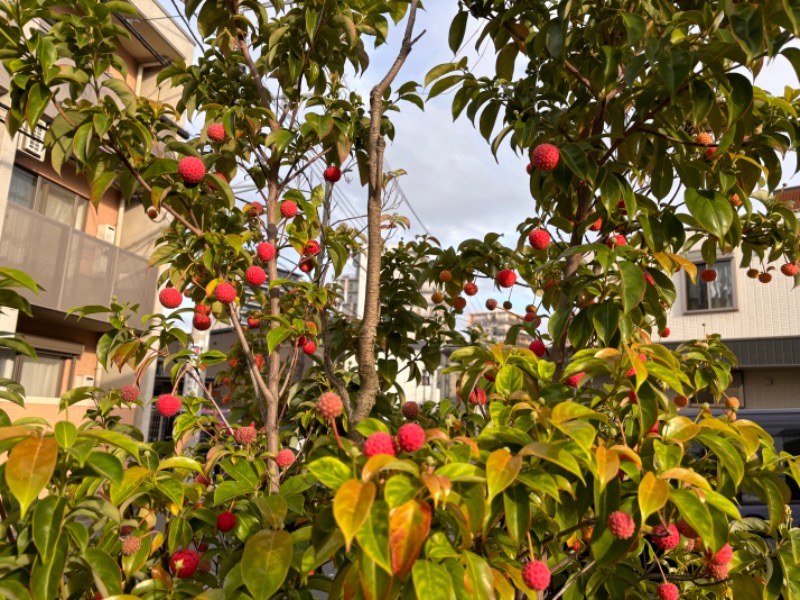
(75, 269)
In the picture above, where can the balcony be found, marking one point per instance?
(75, 269)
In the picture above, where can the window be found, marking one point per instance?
(717, 295)
(48, 198)
(47, 377)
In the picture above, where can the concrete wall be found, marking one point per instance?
(772, 388)
(762, 310)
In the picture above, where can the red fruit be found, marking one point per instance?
(221, 176)
(538, 348)
(216, 132)
(718, 572)
(204, 565)
(621, 525)
(259, 359)
(306, 265)
(686, 529)
(710, 152)
(288, 209)
(649, 279)
(226, 521)
(125, 530)
(724, 556)
(668, 591)
(131, 545)
(539, 239)
(129, 392)
(168, 405)
(170, 297)
(597, 225)
(245, 435)
(616, 240)
(201, 322)
(252, 322)
(225, 292)
(201, 479)
(332, 174)
(545, 157)
(459, 303)
(191, 169)
(310, 347)
(574, 380)
(410, 410)
(790, 269)
(255, 276)
(664, 539)
(203, 309)
(506, 278)
(311, 248)
(410, 437)
(654, 428)
(266, 251)
(491, 304)
(634, 399)
(704, 138)
(478, 396)
(98, 596)
(531, 317)
(708, 275)
(329, 405)
(536, 575)
(256, 208)
(529, 168)
(284, 458)
(470, 289)
(379, 443)
(665, 332)
(184, 563)
(232, 363)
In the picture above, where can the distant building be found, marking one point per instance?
(496, 324)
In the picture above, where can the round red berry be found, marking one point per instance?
(491, 304)
(226, 521)
(616, 240)
(184, 563)
(632, 397)
(410, 437)
(668, 591)
(574, 380)
(309, 347)
(129, 392)
(621, 525)
(284, 458)
(666, 540)
(470, 289)
(708, 275)
(649, 279)
(597, 225)
(686, 529)
(201, 322)
(538, 348)
(203, 309)
(506, 278)
(529, 168)
(255, 276)
(192, 170)
(665, 332)
(216, 132)
(170, 297)
(477, 396)
(245, 435)
(311, 248)
(225, 292)
(131, 545)
(717, 571)
(288, 209)
(536, 575)
(545, 157)
(410, 410)
(201, 479)
(306, 265)
(266, 251)
(539, 239)
(168, 405)
(790, 269)
(724, 556)
(710, 153)
(379, 443)
(332, 174)
(329, 405)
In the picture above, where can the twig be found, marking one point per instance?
(572, 581)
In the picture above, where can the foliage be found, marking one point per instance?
(560, 443)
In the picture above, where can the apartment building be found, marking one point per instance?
(496, 324)
(79, 254)
(758, 321)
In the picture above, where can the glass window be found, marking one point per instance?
(43, 377)
(716, 295)
(60, 204)
(23, 188)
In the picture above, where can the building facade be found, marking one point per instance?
(79, 254)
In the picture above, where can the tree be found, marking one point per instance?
(569, 476)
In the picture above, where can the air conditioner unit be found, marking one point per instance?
(33, 143)
(107, 233)
(85, 381)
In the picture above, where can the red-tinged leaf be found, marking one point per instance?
(607, 465)
(502, 469)
(351, 507)
(30, 466)
(409, 525)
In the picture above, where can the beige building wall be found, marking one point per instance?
(772, 388)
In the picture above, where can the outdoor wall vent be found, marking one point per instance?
(32, 144)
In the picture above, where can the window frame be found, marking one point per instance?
(702, 311)
(68, 366)
(40, 199)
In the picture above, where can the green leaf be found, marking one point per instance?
(458, 28)
(47, 518)
(113, 438)
(276, 336)
(65, 434)
(330, 471)
(131, 482)
(46, 577)
(265, 562)
(741, 97)
(106, 465)
(747, 24)
(674, 67)
(694, 512)
(180, 462)
(509, 380)
(653, 494)
(554, 454)
(106, 573)
(439, 70)
(351, 506)
(711, 209)
(575, 159)
(38, 98)
(635, 27)
(605, 318)
(517, 504)
(29, 468)
(633, 285)
(502, 469)
(702, 100)
(431, 580)
(506, 58)
(229, 490)
(479, 580)
(123, 92)
(727, 455)
(373, 536)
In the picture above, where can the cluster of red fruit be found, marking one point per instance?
(410, 438)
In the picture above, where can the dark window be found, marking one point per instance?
(716, 295)
(47, 198)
